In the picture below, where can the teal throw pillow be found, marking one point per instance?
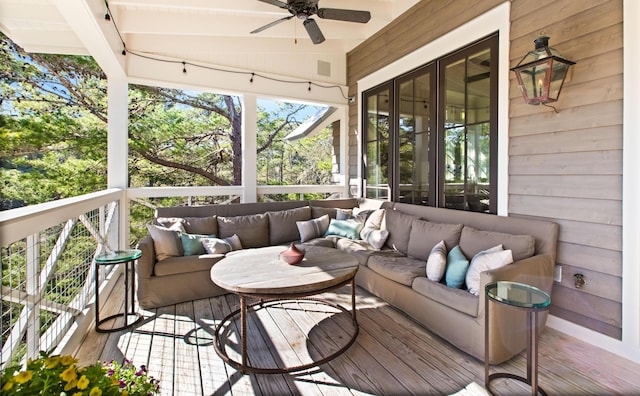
(192, 243)
(457, 265)
(345, 228)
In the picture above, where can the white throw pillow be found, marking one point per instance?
(313, 228)
(437, 262)
(374, 237)
(486, 260)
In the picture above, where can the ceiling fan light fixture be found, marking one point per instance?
(305, 9)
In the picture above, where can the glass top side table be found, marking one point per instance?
(523, 297)
(128, 258)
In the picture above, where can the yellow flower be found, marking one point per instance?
(95, 391)
(7, 386)
(69, 374)
(24, 376)
(77, 394)
(83, 382)
(67, 360)
(52, 362)
(125, 393)
(70, 385)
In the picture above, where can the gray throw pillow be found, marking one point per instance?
(221, 246)
(166, 241)
(313, 228)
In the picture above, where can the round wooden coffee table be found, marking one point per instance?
(260, 274)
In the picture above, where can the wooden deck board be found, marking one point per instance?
(392, 354)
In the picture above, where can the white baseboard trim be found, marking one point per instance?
(631, 352)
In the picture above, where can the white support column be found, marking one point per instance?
(249, 148)
(32, 305)
(118, 152)
(344, 150)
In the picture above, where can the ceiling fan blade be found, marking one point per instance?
(314, 31)
(276, 3)
(344, 15)
(268, 25)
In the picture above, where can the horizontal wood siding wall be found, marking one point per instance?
(566, 166)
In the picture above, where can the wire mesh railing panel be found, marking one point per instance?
(47, 280)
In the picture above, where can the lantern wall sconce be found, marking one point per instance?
(541, 73)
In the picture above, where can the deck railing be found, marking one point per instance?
(47, 253)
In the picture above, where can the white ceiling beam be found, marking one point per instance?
(86, 19)
(149, 72)
(206, 46)
(143, 22)
(49, 43)
(374, 6)
(275, 56)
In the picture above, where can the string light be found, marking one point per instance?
(253, 75)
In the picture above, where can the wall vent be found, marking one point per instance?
(324, 68)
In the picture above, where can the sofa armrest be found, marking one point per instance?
(147, 261)
(535, 271)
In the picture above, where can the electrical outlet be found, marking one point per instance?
(557, 273)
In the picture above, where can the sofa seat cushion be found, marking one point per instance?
(323, 242)
(458, 299)
(399, 269)
(282, 224)
(253, 230)
(359, 249)
(180, 265)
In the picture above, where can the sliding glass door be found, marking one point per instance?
(431, 134)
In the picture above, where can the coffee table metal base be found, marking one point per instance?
(244, 366)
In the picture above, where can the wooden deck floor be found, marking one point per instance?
(392, 355)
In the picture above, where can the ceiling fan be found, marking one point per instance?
(305, 9)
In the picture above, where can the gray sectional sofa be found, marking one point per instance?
(396, 272)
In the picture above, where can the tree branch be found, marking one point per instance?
(185, 167)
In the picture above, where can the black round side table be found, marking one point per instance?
(523, 297)
(128, 258)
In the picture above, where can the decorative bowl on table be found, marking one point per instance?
(292, 255)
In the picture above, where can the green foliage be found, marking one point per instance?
(53, 134)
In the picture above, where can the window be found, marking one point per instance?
(431, 134)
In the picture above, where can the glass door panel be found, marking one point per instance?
(415, 105)
(376, 160)
(467, 131)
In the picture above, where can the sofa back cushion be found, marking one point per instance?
(253, 230)
(282, 224)
(192, 225)
(399, 226)
(474, 241)
(426, 234)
